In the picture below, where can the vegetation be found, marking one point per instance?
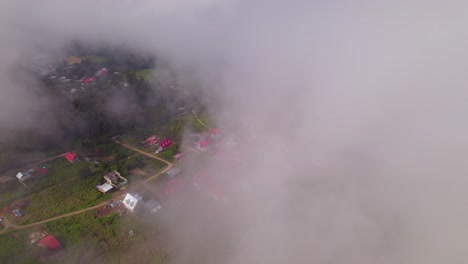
(94, 58)
(15, 248)
(145, 74)
(169, 153)
(59, 170)
(63, 198)
(87, 238)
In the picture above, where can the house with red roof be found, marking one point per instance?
(152, 140)
(88, 80)
(203, 144)
(71, 157)
(102, 72)
(50, 242)
(42, 170)
(163, 145)
(215, 131)
(179, 156)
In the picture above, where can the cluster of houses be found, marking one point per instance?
(207, 139)
(24, 175)
(100, 73)
(161, 144)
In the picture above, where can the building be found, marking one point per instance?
(131, 200)
(179, 156)
(50, 242)
(71, 157)
(152, 140)
(22, 176)
(42, 170)
(165, 144)
(215, 131)
(102, 72)
(115, 179)
(173, 172)
(104, 188)
(203, 144)
(18, 213)
(88, 80)
(152, 206)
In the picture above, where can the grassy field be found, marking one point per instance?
(15, 248)
(71, 194)
(86, 238)
(59, 170)
(142, 167)
(145, 74)
(94, 59)
(63, 198)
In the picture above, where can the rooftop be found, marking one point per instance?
(50, 242)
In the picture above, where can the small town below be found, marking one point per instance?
(119, 167)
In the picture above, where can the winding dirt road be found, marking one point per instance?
(169, 165)
(9, 226)
(198, 119)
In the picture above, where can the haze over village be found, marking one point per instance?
(233, 131)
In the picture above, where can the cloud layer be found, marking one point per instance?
(356, 137)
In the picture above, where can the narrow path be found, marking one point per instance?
(10, 226)
(198, 119)
(169, 165)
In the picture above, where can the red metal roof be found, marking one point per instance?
(215, 131)
(50, 242)
(165, 143)
(70, 156)
(179, 156)
(42, 170)
(204, 143)
(88, 80)
(152, 140)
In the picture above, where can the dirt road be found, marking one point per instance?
(9, 226)
(198, 119)
(168, 167)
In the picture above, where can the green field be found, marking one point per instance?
(94, 59)
(59, 170)
(86, 238)
(145, 74)
(71, 194)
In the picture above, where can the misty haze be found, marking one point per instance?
(233, 131)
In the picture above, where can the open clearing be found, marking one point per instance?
(94, 59)
(145, 74)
